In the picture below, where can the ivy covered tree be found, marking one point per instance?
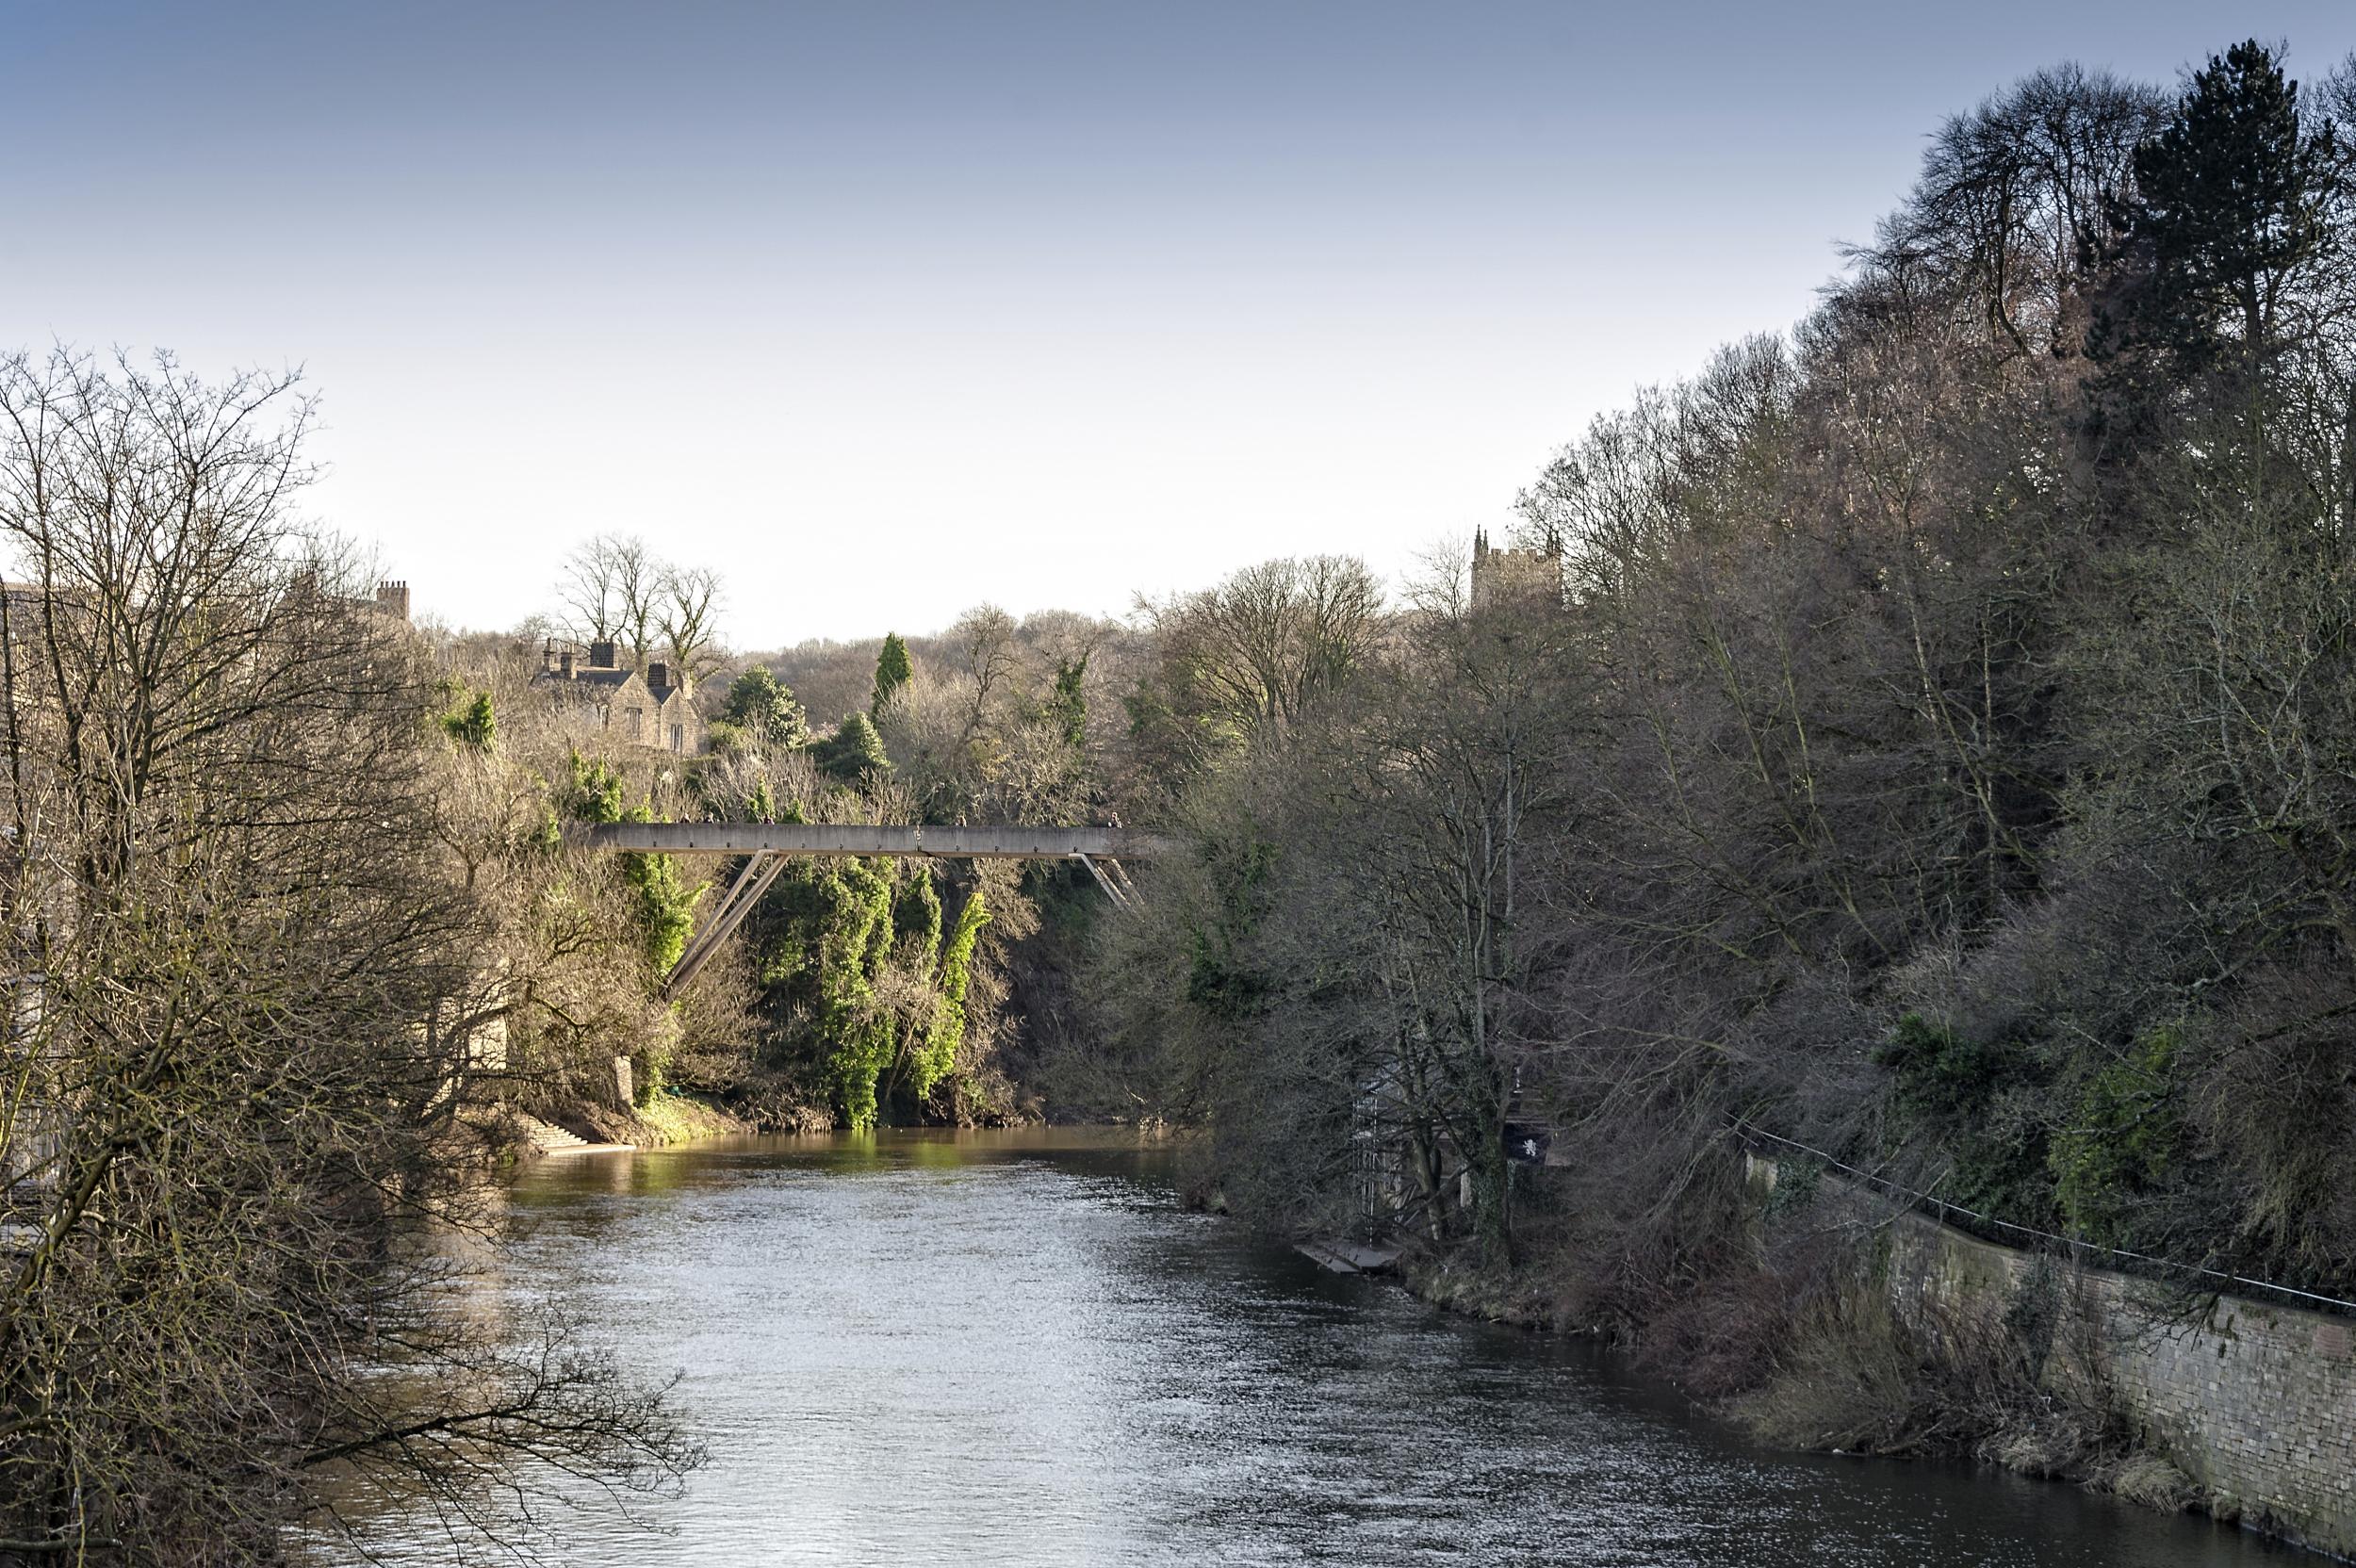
(1069, 706)
(936, 1058)
(862, 988)
(853, 944)
(665, 905)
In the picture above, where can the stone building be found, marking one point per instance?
(1501, 574)
(654, 707)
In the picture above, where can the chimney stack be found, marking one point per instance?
(658, 674)
(565, 664)
(392, 596)
(601, 655)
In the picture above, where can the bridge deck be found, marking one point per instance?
(796, 838)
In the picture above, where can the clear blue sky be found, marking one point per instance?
(892, 309)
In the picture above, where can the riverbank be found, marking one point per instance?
(1897, 1336)
(670, 1118)
(664, 1121)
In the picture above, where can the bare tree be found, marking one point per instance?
(613, 591)
(983, 644)
(1258, 651)
(2012, 193)
(688, 619)
(236, 1079)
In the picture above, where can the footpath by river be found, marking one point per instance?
(1017, 1348)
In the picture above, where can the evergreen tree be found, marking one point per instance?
(763, 708)
(892, 670)
(473, 723)
(1068, 707)
(2231, 202)
(853, 751)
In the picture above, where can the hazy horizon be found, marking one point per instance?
(891, 310)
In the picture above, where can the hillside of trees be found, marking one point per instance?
(1932, 739)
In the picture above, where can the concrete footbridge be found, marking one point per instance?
(829, 838)
(767, 845)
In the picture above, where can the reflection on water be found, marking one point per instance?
(1016, 1349)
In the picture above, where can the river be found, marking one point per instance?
(1016, 1348)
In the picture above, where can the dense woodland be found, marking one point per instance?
(1938, 749)
(1929, 735)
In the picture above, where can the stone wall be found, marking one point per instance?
(2255, 1402)
(2258, 1404)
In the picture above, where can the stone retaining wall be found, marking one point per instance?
(2255, 1402)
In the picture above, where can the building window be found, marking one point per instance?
(637, 717)
(679, 737)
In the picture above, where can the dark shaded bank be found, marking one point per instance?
(1863, 1328)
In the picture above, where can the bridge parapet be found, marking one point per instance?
(797, 838)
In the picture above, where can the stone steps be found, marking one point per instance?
(549, 1138)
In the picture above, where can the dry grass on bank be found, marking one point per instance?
(682, 1119)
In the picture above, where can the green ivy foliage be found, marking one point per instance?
(1069, 706)
(1954, 1092)
(545, 835)
(916, 921)
(650, 1066)
(596, 794)
(840, 942)
(665, 905)
(471, 723)
(833, 933)
(851, 954)
(937, 1057)
(2124, 1143)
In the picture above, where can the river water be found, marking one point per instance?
(1017, 1348)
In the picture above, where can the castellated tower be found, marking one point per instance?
(392, 598)
(1499, 574)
